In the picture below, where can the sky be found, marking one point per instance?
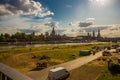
(70, 17)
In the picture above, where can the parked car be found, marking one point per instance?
(59, 73)
(118, 50)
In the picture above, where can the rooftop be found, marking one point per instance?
(57, 69)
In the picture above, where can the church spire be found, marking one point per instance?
(53, 32)
(99, 35)
(88, 34)
(93, 34)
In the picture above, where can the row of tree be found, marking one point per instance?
(23, 37)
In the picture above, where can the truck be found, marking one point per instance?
(59, 73)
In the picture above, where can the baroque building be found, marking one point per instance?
(53, 32)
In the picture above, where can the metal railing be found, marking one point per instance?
(7, 73)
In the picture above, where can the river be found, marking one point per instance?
(39, 45)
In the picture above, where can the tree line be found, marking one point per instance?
(23, 37)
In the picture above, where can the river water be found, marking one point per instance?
(39, 45)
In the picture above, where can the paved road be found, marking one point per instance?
(42, 74)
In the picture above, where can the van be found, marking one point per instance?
(59, 73)
(118, 50)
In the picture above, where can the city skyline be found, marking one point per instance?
(67, 16)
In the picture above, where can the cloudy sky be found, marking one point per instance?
(70, 17)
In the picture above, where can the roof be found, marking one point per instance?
(11, 73)
(57, 69)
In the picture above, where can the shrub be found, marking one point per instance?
(44, 57)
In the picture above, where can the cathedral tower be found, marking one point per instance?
(99, 35)
(93, 34)
(53, 32)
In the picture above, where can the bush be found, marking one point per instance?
(41, 65)
(44, 57)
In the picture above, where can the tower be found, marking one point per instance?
(53, 32)
(88, 34)
(93, 34)
(99, 35)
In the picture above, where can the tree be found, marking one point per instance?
(23, 36)
(7, 37)
(2, 38)
(13, 38)
(47, 36)
(41, 37)
(33, 37)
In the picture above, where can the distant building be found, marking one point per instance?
(54, 36)
(53, 32)
(88, 34)
(89, 37)
(93, 34)
(99, 34)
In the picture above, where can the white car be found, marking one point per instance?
(59, 73)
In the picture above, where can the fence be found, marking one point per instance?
(7, 73)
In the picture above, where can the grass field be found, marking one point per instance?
(22, 59)
(106, 73)
(95, 70)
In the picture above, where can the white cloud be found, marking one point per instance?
(8, 30)
(98, 3)
(101, 4)
(95, 28)
(27, 24)
(42, 14)
(41, 28)
(52, 24)
(13, 24)
(111, 31)
(73, 29)
(10, 7)
(90, 19)
(85, 24)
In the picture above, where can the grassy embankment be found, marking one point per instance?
(21, 58)
(110, 74)
(96, 70)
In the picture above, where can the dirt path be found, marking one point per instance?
(42, 75)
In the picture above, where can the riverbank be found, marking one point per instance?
(25, 59)
(28, 45)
